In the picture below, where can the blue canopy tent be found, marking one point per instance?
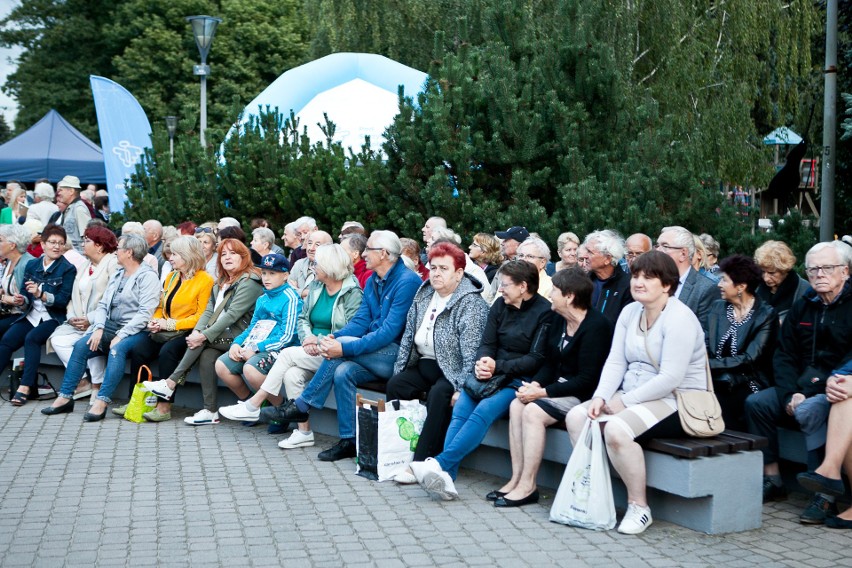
(51, 149)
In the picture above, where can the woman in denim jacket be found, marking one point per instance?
(48, 282)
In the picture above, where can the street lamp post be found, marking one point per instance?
(203, 28)
(171, 126)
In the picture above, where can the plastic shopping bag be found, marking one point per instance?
(584, 498)
(142, 400)
(387, 436)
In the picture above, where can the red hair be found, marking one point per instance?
(246, 265)
(446, 249)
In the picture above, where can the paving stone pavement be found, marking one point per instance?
(114, 493)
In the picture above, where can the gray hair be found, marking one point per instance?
(133, 228)
(292, 227)
(388, 241)
(683, 239)
(540, 247)
(844, 252)
(302, 221)
(445, 233)
(607, 242)
(136, 244)
(170, 233)
(228, 222)
(711, 245)
(45, 191)
(334, 261)
(565, 238)
(354, 242)
(264, 234)
(18, 235)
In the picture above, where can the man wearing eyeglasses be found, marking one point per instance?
(695, 290)
(814, 342)
(637, 244)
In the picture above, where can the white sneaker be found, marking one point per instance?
(636, 520)
(420, 469)
(159, 388)
(297, 439)
(405, 477)
(239, 412)
(440, 485)
(202, 418)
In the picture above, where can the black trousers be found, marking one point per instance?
(167, 355)
(410, 384)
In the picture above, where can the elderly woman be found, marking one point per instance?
(576, 350)
(438, 349)
(485, 252)
(740, 336)
(207, 236)
(605, 250)
(781, 286)
(411, 250)
(536, 252)
(332, 300)
(700, 263)
(99, 246)
(711, 248)
(228, 313)
(355, 244)
(14, 240)
(119, 324)
(566, 247)
(512, 351)
(263, 241)
(185, 296)
(47, 289)
(136, 228)
(658, 346)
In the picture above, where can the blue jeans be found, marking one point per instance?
(471, 421)
(114, 368)
(345, 374)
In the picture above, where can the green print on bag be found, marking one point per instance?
(408, 432)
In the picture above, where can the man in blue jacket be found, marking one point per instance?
(364, 350)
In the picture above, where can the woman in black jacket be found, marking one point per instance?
(576, 349)
(740, 335)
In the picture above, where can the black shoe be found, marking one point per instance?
(63, 409)
(818, 511)
(494, 495)
(528, 500)
(90, 417)
(342, 449)
(838, 523)
(283, 413)
(772, 492)
(817, 483)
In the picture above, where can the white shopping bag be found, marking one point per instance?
(584, 498)
(387, 436)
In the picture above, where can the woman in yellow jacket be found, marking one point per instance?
(186, 292)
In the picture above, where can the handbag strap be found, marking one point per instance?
(139, 374)
(643, 319)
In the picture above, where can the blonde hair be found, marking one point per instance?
(775, 256)
(191, 251)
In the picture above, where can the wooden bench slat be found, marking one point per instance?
(680, 447)
(755, 442)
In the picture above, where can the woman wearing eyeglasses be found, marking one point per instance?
(207, 235)
(48, 282)
(486, 253)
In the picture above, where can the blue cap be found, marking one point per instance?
(275, 262)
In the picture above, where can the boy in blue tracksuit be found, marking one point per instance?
(272, 328)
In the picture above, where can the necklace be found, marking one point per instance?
(437, 306)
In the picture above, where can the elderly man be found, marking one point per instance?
(510, 239)
(73, 214)
(364, 350)
(304, 271)
(637, 244)
(154, 237)
(814, 341)
(536, 252)
(302, 227)
(695, 290)
(44, 207)
(611, 293)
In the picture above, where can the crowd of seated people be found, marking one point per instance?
(481, 332)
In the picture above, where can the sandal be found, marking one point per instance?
(20, 398)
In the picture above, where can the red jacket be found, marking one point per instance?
(362, 273)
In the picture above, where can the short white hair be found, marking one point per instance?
(303, 221)
(539, 245)
(44, 190)
(608, 242)
(18, 235)
(388, 241)
(133, 228)
(334, 261)
(265, 235)
(844, 251)
(228, 222)
(683, 239)
(445, 233)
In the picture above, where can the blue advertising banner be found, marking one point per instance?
(125, 134)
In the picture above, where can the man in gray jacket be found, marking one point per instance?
(694, 289)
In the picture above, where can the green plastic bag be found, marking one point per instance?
(142, 400)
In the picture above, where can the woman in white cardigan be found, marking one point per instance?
(658, 347)
(99, 245)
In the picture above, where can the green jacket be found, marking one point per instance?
(236, 309)
(345, 305)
